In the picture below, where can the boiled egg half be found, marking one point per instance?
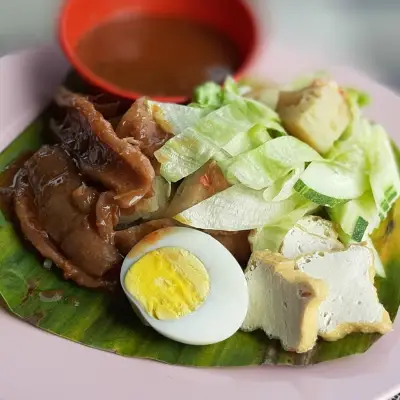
(186, 285)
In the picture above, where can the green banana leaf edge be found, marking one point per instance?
(42, 298)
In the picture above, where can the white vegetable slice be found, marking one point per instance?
(352, 304)
(330, 184)
(236, 208)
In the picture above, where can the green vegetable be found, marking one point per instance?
(175, 118)
(358, 217)
(261, 167)
(362, 99)
(283, 188)
(383, 171)
(330, 184)
(188, 151)
(208, 95)
(254, 137)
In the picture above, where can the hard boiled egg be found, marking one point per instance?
(186, 285)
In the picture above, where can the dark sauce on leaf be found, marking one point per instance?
(7, 184)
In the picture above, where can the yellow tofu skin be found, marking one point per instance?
(168, 282)
(317, 115)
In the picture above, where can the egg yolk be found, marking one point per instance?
(168, 282)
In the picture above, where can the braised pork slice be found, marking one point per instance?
(53, 208)
(109, 105)
(127, 238)
(138, 123)
(236, 242)
(100, 154)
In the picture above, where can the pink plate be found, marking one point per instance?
(38, 366)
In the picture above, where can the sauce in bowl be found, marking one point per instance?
(158, 56)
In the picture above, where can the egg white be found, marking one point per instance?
(225, 307)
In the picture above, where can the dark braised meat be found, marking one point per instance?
(107, 216)
(100, 155)
(54, 210)
(236, 242)
(108, 105)
(126, 239)
(138, 124)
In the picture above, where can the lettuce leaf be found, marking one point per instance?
(362, 99)
(283, 188)
(196, 144)
(209, 94)
(261, 167)
(175, 118)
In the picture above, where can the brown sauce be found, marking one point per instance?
(158, 56)
(7, 184)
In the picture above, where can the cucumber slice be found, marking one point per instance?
(384, 172)
(357, 218)
(330, 184)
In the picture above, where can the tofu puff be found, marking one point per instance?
(330, 294)
(317, 115)
(283, 302)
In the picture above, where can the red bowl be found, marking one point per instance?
(231, 17)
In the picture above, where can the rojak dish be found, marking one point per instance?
(253, 208)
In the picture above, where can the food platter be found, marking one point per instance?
(252, 381)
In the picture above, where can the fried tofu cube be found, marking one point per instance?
(317, 115)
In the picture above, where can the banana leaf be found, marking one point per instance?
(42, 298)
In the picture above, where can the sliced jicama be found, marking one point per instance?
(236, 208)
